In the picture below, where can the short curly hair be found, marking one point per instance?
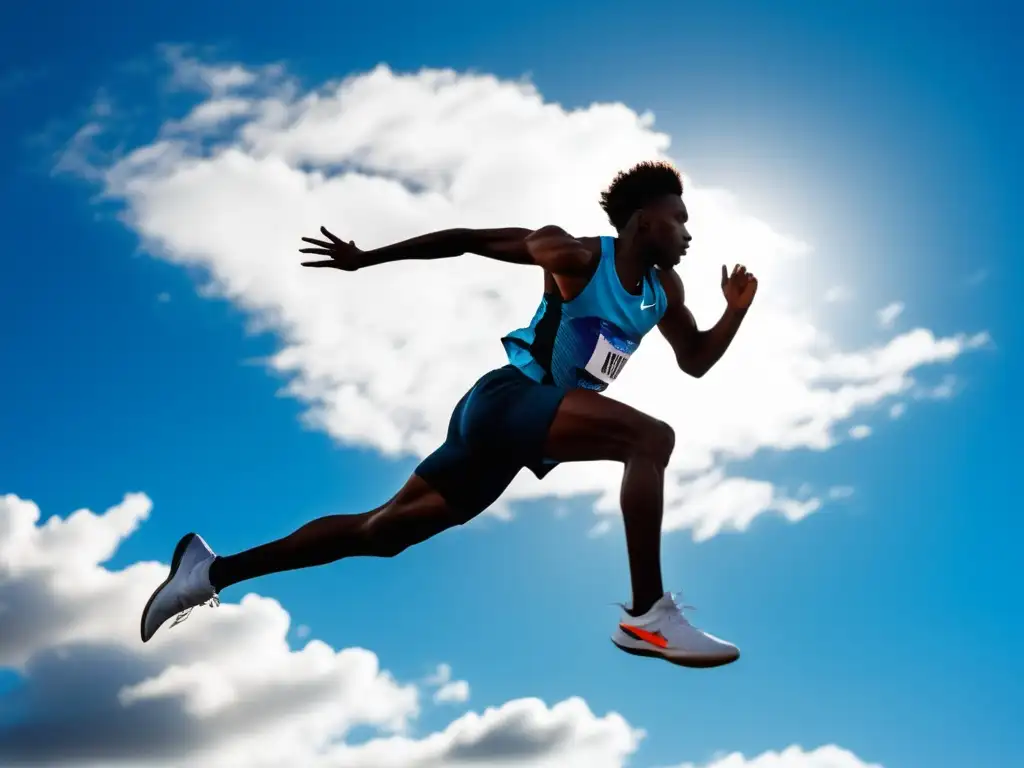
(639, 186)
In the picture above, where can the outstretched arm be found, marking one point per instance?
(549, 247)
(501, 244)
(697, 351)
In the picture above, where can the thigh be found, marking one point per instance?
(418, 512)
(467, 481)
(589, 426)
(507, 417)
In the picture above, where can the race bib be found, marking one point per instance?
(607, 360)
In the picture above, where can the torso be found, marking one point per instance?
(587, 327)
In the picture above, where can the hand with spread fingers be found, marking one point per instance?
(344, 256)
(739, 288)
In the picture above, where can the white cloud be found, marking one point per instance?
(189, 73)
(214, 112)
(887, 315)
(439, 676)
(713, 503)
(81, 155)
(447, 691)
(860, 431)
(223, 689)
(829, 756)
(380, 357)
(457, 691)
(897, 410)
(524, 733)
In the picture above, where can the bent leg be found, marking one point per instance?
(591, 427)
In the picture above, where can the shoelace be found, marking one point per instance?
(675, 611)
(213, 602)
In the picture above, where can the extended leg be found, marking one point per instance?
(414, 514)
(450, 487)
(196, 575)
(591, 427)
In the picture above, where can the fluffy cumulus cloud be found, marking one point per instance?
(381, 356)
(793, 757)
(224, 688)
(525, 732)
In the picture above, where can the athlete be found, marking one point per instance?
(602, 295)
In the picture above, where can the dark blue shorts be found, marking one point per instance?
(498, 427)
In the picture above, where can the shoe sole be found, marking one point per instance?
(179, 552)
(690, 663)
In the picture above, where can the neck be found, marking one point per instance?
(631, 253)
(630, 264)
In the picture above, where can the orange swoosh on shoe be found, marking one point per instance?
(654, 638)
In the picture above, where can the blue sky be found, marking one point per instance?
(881, 134)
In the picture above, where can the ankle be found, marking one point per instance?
(215, 573)
(642, 605)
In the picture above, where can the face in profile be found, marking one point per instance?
(666, 236)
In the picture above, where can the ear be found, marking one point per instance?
(633, 228)
(637, 222)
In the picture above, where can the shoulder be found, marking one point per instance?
(554, 234)
(592, 244)
(560, 253)
(673, 285)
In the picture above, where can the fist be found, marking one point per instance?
(739, 288)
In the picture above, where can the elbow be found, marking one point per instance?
(462, 241)
(692, 367)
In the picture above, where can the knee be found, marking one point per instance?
(379, 538)
(398, 525)
(656, 440)
(390, 547)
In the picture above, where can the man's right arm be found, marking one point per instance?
(549, 247)
(500, 244)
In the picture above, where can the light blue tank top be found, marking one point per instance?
(584, 343)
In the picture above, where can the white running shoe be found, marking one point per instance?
(186, 586)
(665, 632)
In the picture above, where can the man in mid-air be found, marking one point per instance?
(602, 295)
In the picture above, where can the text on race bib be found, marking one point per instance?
(607, 361)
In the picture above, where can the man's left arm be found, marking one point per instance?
(697, 351)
